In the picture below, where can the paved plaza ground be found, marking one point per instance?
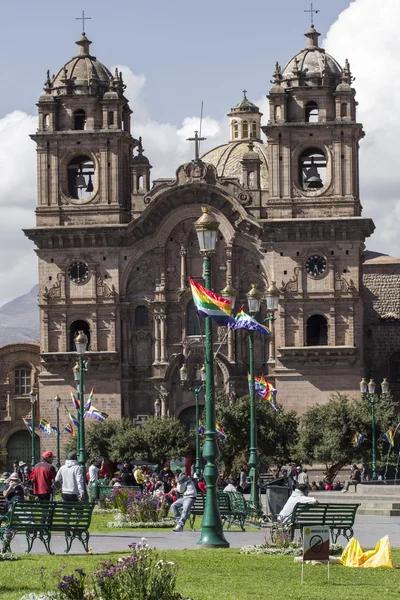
(368, 530)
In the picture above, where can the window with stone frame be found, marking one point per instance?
(141, 316)
(317, 331)
(235, 130)
(254, 129)
(79, 120)
(312, 111)
(245, 129)
(81, 172)
(394, 368)
(22, 380)
(192, 321)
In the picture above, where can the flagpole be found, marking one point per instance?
(212, 535)
(81, 342)
(33, 402)
(58, 401)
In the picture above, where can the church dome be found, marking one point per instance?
(82, 71)
(227, 159)
(312, 66)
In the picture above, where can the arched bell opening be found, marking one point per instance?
(312, 169)
(317, 331)
(74, 329)
(81, 177)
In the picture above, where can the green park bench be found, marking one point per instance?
(40, 519)
(232, 507)
(338, 517)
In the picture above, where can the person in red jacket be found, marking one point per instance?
(43, 475)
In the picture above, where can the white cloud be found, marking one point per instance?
(369, 39)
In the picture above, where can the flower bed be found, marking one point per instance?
(121, 520)
(293, 549)
(140, 508)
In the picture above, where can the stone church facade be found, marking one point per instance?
(115, 250)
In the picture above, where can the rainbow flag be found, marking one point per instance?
(75, 400)
(210, 305)
(265, 389)
(89, 400)
(28, 425)
(69, 429)
(44, 426)
(389, 436)
(95, 413)
(202, 429)
(73, 420)
(54, 428)
(219, 431)
(358, 439)
(245, 321)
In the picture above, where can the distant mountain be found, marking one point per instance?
(19, 319)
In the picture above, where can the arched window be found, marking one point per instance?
(278, 113)
(343, 109)
(111, 117)
(235, 129)
(81, 177)
(312, 169)
(192, 322)
(46, 121)
(80, 120)
(245, 129)
(317, 331)
(311, 112)
(74, 329)
(140, 182)
(394, 368)
(250, 179)
(254, 130)
(22, 379)
(141, 316)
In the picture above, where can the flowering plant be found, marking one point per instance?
(140, 507)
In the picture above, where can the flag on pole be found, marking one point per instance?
(54, 428)
(75, 400)
(73, 420)
(265, 389)
(28, 425)
(245, 321)
(220, 432)
(69, 429)
(95, 413)
(358, 439)
(89, 400)
(389, 436)
(211, 305)
(202, 429)
(44, 426)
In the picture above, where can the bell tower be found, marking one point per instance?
(313, 137)
(84, 145)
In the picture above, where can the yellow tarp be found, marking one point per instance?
(354, 556)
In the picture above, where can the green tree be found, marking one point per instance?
(277, 432)
(161, 439)
(327, 431)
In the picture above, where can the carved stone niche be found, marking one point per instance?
(55, 291)
(197, 172)
(103, 290)
(342, 285)
(142, 348)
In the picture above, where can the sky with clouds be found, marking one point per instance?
(167, 114)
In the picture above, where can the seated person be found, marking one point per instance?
(355, 478)
(231, 486)
(14, 492)
(201, 485)
(300, 495)
(314, 487)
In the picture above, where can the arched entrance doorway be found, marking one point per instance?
(19, 447)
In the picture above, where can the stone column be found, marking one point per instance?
(156, 339)
(8, 406)
(45, 326)
(164, 398)
(163, 339)
(332, 326)
(183, 252)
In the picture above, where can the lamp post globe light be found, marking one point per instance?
(211, 527)
(33, 398)
(254, 297)
(183, 375)
(81, 342)
(230, 294)
(368, 392)
(57, 400)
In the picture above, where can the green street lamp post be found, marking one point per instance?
(33, 398)
(183, 375)
(212, 535)
(58, 401)
(81, 342)
(368, 391)
(254, 300)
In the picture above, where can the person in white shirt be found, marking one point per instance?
(230, 487)
(303, 477)
(187, 488)
(299, 496)
(71, 478)
(93, 471)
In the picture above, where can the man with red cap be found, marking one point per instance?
(43, 475)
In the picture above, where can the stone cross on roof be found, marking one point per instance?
(83, 19)
(312, 11)
(196, 139)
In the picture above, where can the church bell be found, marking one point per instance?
(90, 184)
(314, 182)
(80, 180)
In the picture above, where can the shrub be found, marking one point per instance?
(138, 506)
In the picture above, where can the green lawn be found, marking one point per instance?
(221, 575)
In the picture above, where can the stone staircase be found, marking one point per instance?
(381, 500)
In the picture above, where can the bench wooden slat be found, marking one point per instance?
(339, 517)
